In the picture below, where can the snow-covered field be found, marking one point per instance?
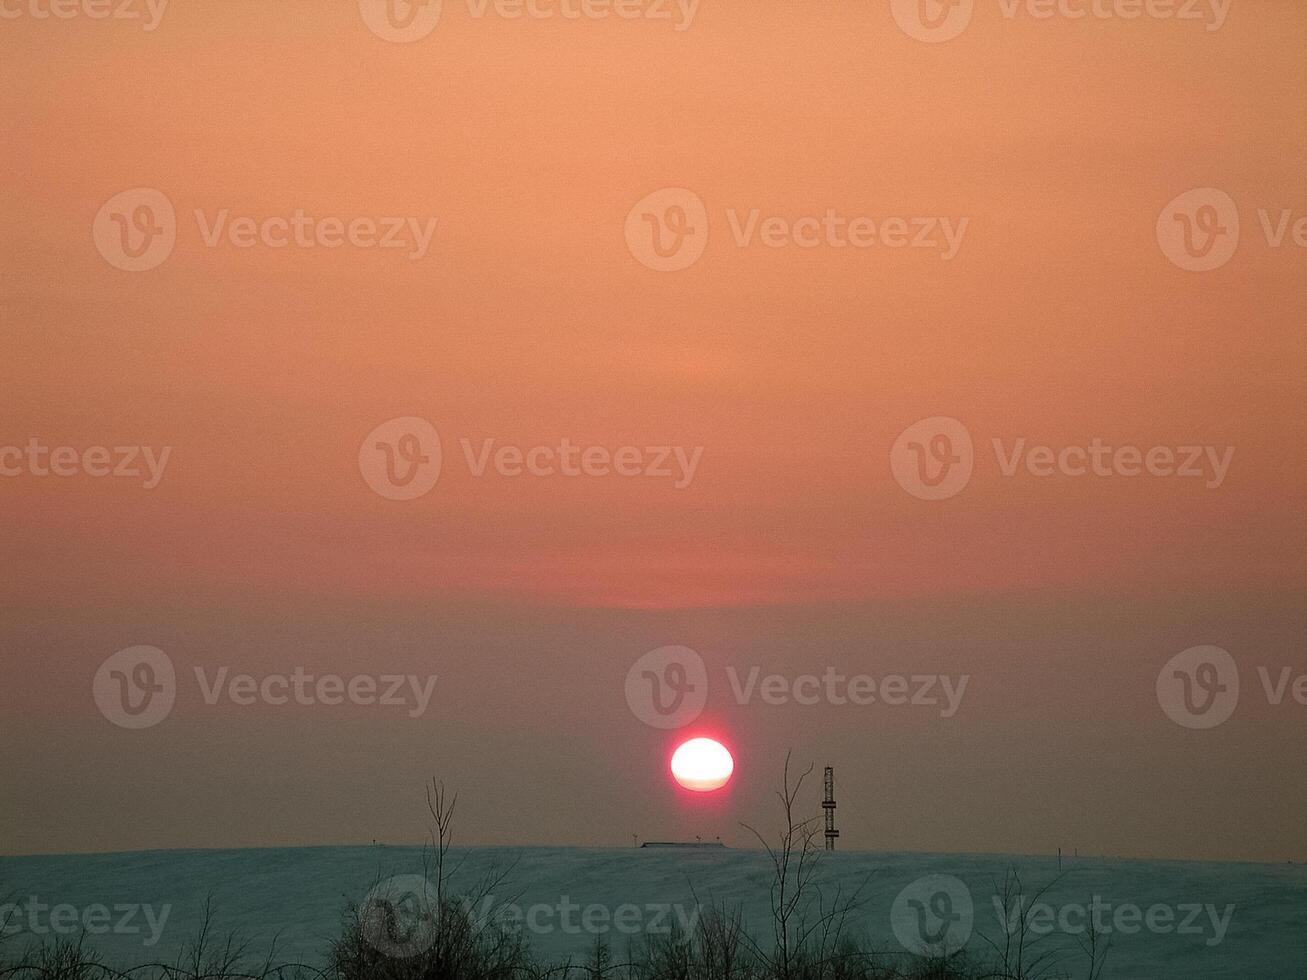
(1166, 919)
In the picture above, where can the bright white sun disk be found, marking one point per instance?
(702, 765)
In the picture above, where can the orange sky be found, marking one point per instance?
(1059, 321)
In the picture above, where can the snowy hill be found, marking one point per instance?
(1166, 919)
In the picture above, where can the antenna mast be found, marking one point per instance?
(828, 804)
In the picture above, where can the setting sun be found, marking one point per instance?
(702, 765)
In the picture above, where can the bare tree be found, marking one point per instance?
(807, 929)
